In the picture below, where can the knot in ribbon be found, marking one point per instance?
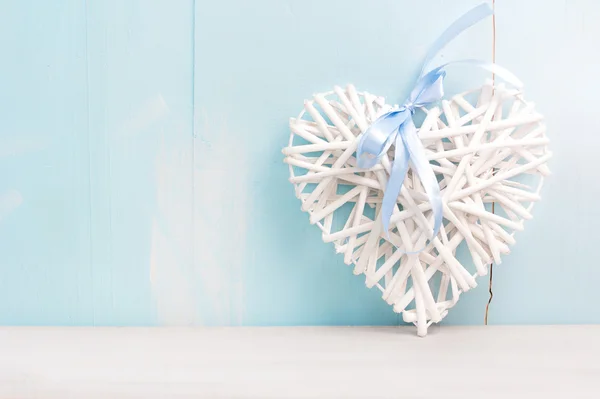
(397, 127)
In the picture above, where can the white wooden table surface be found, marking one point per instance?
(306, 362)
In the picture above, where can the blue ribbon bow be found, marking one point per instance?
(397, 126)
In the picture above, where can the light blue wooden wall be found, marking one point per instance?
(141, 180)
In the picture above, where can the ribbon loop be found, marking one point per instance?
(397, 127)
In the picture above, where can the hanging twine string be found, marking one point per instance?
(487, 307)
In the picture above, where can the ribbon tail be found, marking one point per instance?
(423, 169)
(463, 23)
(399, 169)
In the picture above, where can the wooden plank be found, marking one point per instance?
(44, 195)
(325, 362)
(140, 89)
(551, 276)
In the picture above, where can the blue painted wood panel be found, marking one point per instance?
(141, 180)
(45, 204)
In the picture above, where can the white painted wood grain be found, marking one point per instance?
(305, 362)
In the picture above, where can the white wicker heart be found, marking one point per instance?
(487, 146)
